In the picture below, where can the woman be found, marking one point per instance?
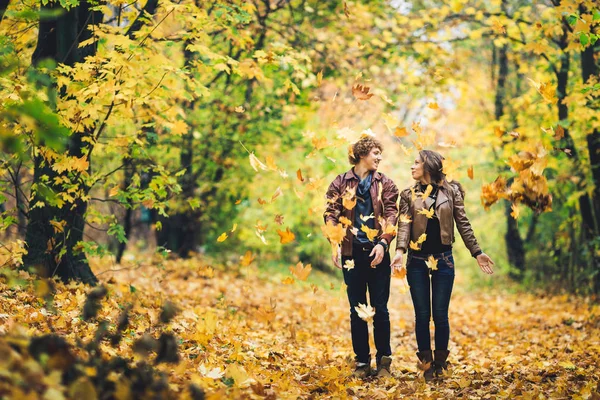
(428, 211)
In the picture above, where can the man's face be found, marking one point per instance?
(371, 160)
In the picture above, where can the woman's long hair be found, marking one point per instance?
(433, 165)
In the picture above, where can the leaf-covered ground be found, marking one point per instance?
(245, 334)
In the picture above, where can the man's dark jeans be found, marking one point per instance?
(377, 280)
(441, 282)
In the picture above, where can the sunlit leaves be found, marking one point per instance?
(371, 233)
(361, 92)
(286, 236)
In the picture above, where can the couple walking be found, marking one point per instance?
(424, 235)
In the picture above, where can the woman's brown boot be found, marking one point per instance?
(426, 364)
(439, 362)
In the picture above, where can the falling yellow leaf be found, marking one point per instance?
(279, 219)
(256, 163)
(422, 238)
(390, 121)
(288, 280)
(426, 212)
(335, 233)
(399, 273)
(299, 175)
(238, 201)
(319, 78)
(240, 109)
(247, 259)
(365, 312)
(371, 233)
(401, 131)
(345, 221)
(222, 237)
(270, 161)
(405, 219)
(413, 193)
(470, 172)
(559, 132)
(433, 105)
(286, 236)
(365, 219)
(349, 264)
(113, 191)
(427, 192)
(261, 237)
(277, 193)
(300, 271)
(349, 203)
(361, 92)
(234, 228)
(414, 246)
(431, 263)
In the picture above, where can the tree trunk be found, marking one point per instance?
(515, 248)
(589, 69)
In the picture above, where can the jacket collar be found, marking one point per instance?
(350, 175)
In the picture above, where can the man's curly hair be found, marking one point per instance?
(362, 148)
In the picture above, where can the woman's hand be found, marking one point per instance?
(485, 263)
(397, 261)
(337, 258)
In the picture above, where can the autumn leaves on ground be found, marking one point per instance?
(239, 332)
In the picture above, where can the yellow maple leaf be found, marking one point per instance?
(300, 271)
(113, 191)
(288, 280)
(422, 238)
(345, 221)
(390, 121)
(349, 264)
(399, 273)
(426, 212)
(470, 172)
(361, 92)
(247, 259)
(415, 246)
(433, 105)
(349, 203)
(335, 233)
(427, 192)
(413, 194)
(401, 131)
(405, 219)
(240, 109)
(222, 237)
(365, 312)
(59, 226)
(371, 233)
(286, 236)
(431, 263)
(365, 219)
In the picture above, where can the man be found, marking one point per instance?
(364, 201)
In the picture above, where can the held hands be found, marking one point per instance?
(485, 263)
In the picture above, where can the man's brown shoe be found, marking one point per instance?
(383, 367)
(361, 371)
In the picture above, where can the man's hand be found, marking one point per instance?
(337, 258)
(378, 251)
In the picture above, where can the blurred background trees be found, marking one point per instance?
(129, 127)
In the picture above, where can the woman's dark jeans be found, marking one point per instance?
(377, 280)
(441, 282)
